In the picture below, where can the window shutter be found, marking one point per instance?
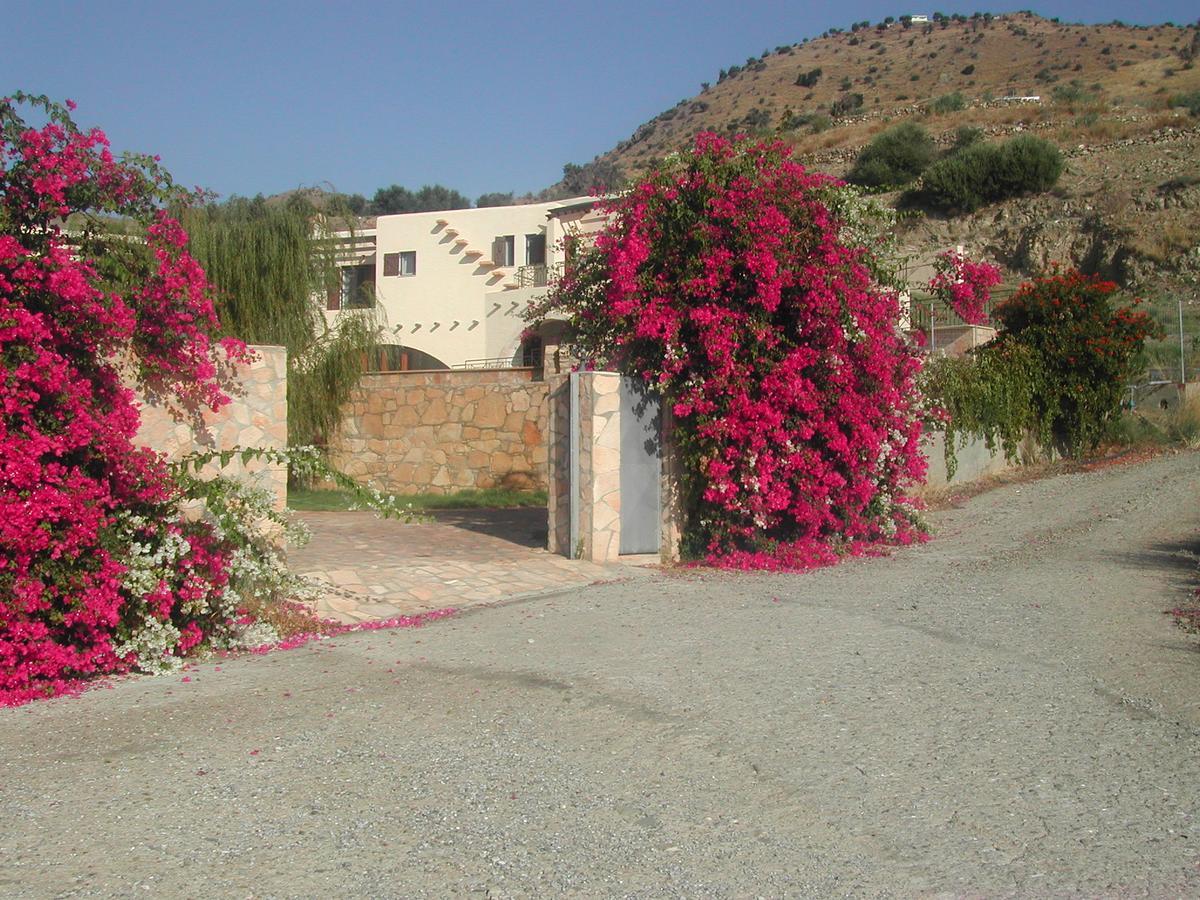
(499, 246)
(333, 295)
(391, 264)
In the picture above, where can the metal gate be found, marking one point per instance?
(641, 468)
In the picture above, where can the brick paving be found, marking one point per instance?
(378, 568)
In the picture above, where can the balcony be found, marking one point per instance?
(531, 276)
(538, 275)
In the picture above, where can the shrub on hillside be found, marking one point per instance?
(1025, 165)
(1074, 92)
(1189, 101)
(965, 136)
(894, 158)
(846, 104)
(948, 103)
(983, 173)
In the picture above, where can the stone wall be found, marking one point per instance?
(442, 431)
(257, 417)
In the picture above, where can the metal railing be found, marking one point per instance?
(531, 361)
(538, 275)
(495, 362)
(944, 316)
(531, 276)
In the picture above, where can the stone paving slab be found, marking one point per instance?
(379, 568)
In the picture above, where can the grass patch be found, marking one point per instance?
(487, 498)
(1179, 428)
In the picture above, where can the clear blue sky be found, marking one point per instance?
(243, 97)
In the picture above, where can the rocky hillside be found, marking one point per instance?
(1128, 204)
(836, 91)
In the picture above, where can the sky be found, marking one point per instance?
(245, 97)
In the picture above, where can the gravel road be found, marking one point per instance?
(1003, 711)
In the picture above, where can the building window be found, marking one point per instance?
(504, 250)
(535, 249)
(358, 287)
(403, 263)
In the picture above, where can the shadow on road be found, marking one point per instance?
(1181, 559)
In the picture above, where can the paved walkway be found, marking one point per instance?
(378, 568)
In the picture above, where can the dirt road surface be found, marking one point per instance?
(1003, 711)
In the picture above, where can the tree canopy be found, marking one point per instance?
(271, 264)
(430, 198)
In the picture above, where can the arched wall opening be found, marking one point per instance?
(401, 358)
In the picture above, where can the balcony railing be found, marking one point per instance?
(531, 276)
(538, 275)
(921, 309)
(531, 359)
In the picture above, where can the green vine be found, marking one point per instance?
(1055, 371)
(992, 396)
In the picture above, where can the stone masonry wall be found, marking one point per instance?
(442, 431)
(257, 417)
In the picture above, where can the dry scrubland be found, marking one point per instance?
(1131, 70)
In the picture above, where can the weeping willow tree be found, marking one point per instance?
(271, 265)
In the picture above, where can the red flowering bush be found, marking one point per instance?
(1085, 347)
(94, 555)
(727, 277)
(964, 285)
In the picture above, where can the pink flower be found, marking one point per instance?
(964, 285)
(723, 279)
(68, 464)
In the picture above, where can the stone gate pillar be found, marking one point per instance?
(585, 470)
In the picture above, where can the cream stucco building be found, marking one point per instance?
(450, 287)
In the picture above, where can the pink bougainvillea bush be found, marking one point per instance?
(964, 285)
(98, 570)
(735, 281)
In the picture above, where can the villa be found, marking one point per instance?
(449, 287)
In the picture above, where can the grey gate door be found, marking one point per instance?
(641, 468)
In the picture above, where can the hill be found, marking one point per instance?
(1128, 204)
(808, 93)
